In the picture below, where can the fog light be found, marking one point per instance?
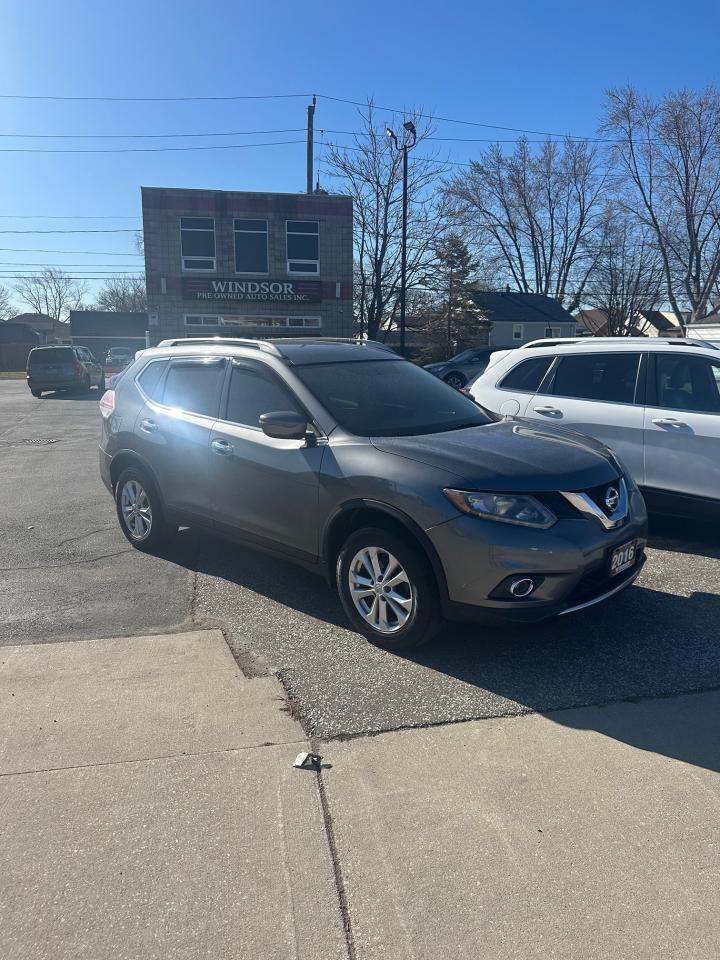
(522, 588)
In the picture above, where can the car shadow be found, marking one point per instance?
(645, 644)
(93, 395)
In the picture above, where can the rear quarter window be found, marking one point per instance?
(150, 377)
(527, 376)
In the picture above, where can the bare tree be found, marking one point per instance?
(370, 171)
(52, 292)
(534, 215)
(124, 295)
(628, 275)
(5, 304)
(669, 151)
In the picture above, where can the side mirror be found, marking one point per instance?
(284, 425)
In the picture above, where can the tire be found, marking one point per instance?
(455, 380)
(36, 393)
(415, 596)
(139, 510)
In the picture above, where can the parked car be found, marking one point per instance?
(344, 457)
(656, 402)
(116, 359)
(459, 370)
(62, 368)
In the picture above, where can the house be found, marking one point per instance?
(48, 328)
(518, 318)
(648, 323)
(12, 332)
(707, 329)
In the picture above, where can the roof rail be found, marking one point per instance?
(263, 345)
(669, 341)
(348, 340)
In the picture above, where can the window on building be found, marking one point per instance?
(687, 383)
(194, 386)
(251, 246)
(254, 391)
(197, 243)
(553, 332)
(518, 331)
(609, 377)
(287, 322)
(303, 246)
(202, 320)
(150, 377)
(527, 376)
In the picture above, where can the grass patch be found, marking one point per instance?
(12, 374)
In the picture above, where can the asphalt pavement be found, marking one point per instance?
(67, 573)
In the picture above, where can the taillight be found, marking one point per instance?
(107, 403)
(78, 370)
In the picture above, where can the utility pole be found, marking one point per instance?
(449, 318)
(408, 127)
(310, 149)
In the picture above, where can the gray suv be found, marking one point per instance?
(413, 500)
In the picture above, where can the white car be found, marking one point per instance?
(656, 402)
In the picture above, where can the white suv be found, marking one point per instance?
(656, 402)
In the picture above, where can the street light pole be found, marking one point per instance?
(408, 127)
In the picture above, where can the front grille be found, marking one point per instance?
(598, 494)
(600, 582)
(556, 502)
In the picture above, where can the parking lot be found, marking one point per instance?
(68, 573)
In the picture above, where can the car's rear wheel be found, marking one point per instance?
(456, 380)
(139, 510)
(387, 589)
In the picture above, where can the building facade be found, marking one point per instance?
(518, 318)
(227, 263)
(99, 330)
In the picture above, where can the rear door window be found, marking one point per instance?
(194, 386)
(687, 383)
(604, 377)
(527, 376)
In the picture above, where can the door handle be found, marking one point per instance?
(548, 410)
(668, 422)
(222, 448)
(148, 426)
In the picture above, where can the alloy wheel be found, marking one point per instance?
(380, 589)
(136, 510)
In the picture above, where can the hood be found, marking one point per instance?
(511, 455)
(434, 367)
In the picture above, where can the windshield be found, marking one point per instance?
(465, 355)
(389, 398)
(51, 355)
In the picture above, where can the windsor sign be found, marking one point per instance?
(251, 291)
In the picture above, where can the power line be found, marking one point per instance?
(53, 216)
(113, 230)
(93, 253)
(217, 146)
(264, 96)
(150, 136)
(294, 96)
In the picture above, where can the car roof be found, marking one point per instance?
(296, 351)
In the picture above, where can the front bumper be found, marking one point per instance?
(571, 559)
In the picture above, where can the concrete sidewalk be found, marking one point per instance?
(149, 808)
(589, 834)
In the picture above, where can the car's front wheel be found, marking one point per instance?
(139, 510)
(387, 589)
(456, 380)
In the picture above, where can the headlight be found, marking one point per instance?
(504, 507)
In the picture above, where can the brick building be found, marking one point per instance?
(243, 264)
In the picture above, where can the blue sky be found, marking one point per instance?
(534, 65)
